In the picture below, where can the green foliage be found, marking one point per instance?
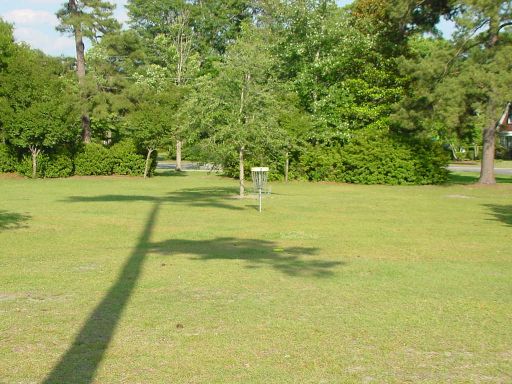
(372, 157)
(8, 159)
(39, 107)
(58, 164)
(52, 165)
(382, 159)
(6, 42)
(94, 159)
(239, 110)
(318, 164)
(126, 159)
(24, 166)
(94, 18)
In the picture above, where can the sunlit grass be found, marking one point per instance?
(173, 279)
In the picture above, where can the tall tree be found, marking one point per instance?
(7, 49)
(41, 109)
(166, 27)
(463, 85)
(154, 112)
(89, 19)
(482, 32)
(236, 111)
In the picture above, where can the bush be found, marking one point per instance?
(384, 159)
(58, 165)
(126, 160)
(377, 158)
(320, 164)
(8, 159)
(24, 167)
(94, 159)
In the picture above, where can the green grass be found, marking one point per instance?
(472, 178)
(172, 280)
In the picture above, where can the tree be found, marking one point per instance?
(482, 33)
(167, 29)
(236, 110)
(41, 109)
(6, 42)
(458, 87)
(7, 49)
(218, 23)
(338, 72)
(154, 112)
(89, 19)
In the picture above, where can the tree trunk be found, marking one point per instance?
(286, 166)
(86, 128)
(487, 167)
(489, 134)
(148, 159)
(241, 166)
(179, 144)
(35, 152)
(80, 72)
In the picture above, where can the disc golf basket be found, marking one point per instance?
(259, 179)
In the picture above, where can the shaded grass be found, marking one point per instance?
(472, 178)
(172, 280)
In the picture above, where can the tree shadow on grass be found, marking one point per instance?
(12, 220)
(169, 173)
(80, 362)
(253, 252)
(214, 197)
(472, 178)
(501, 213)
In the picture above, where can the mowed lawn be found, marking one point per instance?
(173, 280)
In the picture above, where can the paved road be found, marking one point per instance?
(464, 168)
(454, 168)
(186, 167)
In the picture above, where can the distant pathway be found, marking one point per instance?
(453, 168)
(185, 166)
(467, 168)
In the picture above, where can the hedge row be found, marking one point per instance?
(92, 159)
(383, 159)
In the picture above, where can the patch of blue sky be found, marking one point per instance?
(35, 21)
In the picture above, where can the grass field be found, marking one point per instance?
(173, 280)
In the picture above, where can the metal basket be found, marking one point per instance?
(259, 179)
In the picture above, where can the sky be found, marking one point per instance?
(35, 21)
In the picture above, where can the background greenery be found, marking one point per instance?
(267, 82)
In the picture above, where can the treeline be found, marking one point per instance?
(368, 93)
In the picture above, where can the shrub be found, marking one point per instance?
(373, 157)
(385, 159)
(320, 164)
(7, 159)
(126, 160)
(58, 165)
(24, 167)
(94, 159)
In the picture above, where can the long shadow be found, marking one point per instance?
(80, 362)
(501, 213)
(169, 173)
(214, 197)
(254, 253)
(12, 220)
